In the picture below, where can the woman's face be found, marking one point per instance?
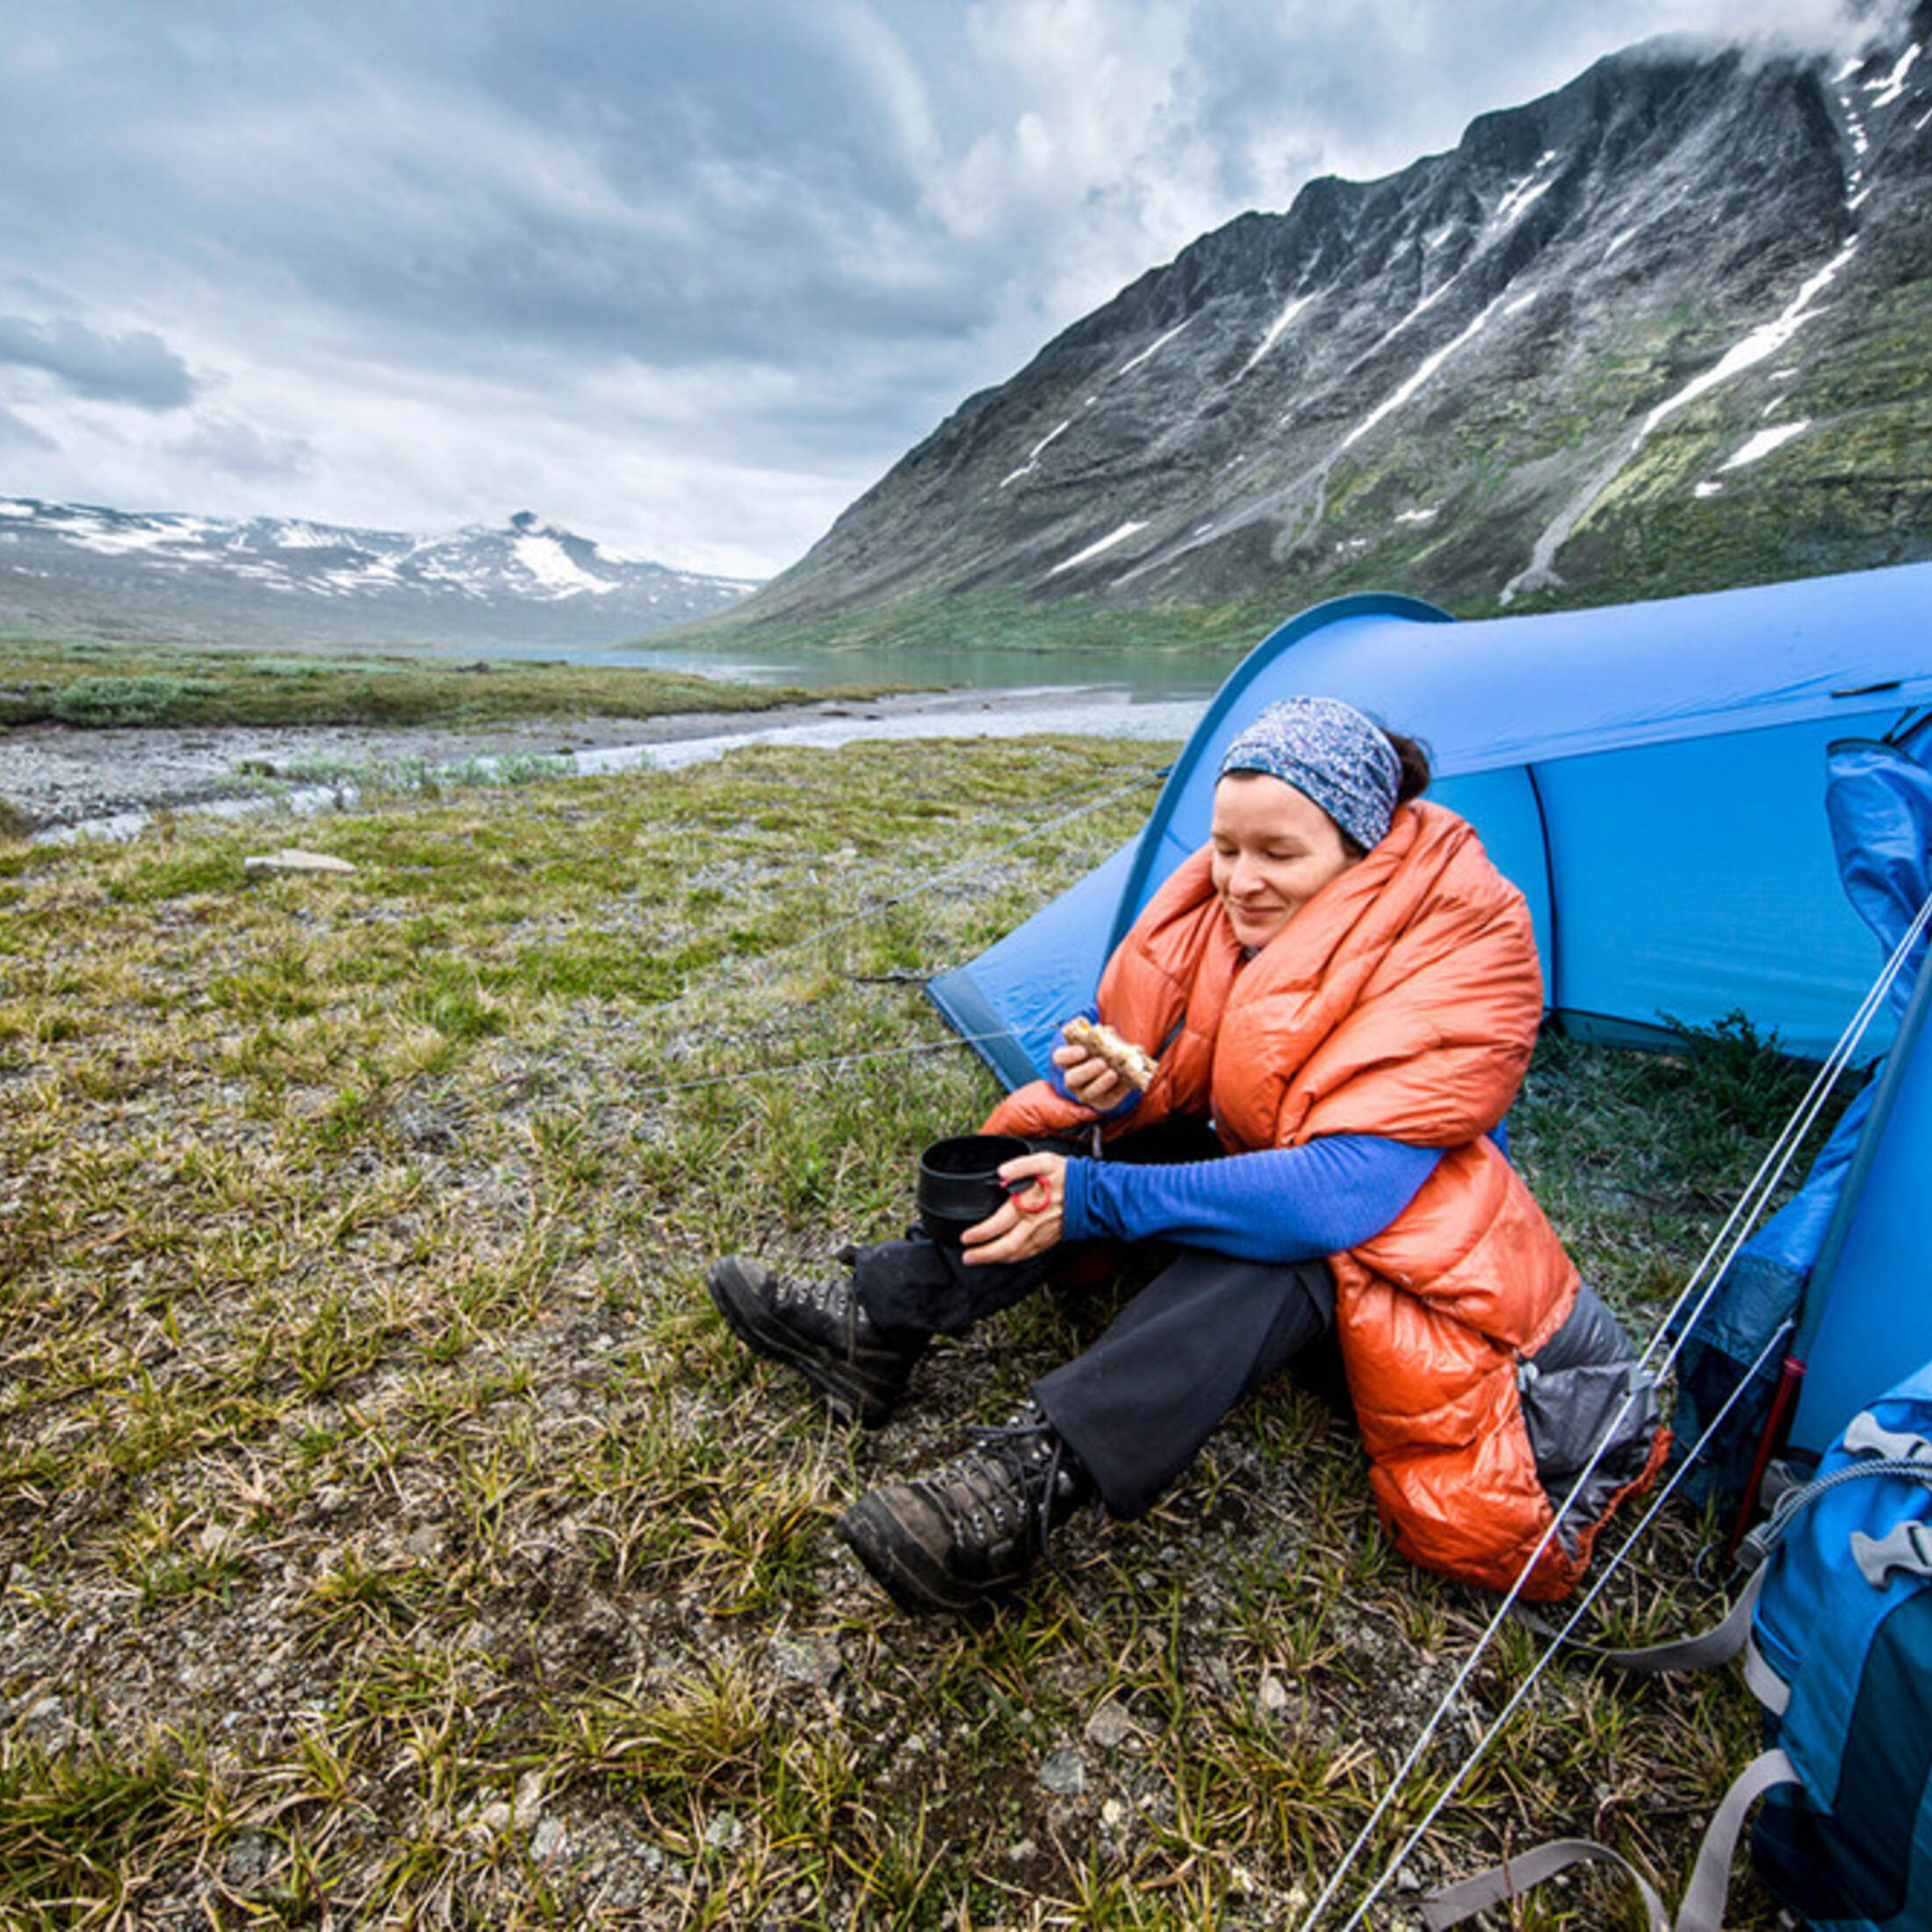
(1273, 850)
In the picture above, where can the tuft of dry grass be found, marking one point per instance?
(391, 1533)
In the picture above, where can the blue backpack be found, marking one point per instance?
(1840, 1656)
(1836, 1628)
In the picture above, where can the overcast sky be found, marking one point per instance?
(686, 275)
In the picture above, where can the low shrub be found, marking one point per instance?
(122, 702)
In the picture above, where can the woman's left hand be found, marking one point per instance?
(1033, 1219)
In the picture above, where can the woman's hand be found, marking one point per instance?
(1032, 1220)
(1089, 1079)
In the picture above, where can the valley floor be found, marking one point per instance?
(391, 1533)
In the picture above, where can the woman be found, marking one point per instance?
(1342, 994)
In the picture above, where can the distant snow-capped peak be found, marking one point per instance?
(71, 559)
(522, 557)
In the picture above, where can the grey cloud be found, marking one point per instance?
(16, 435)
(240, 449)
(1367, 87)
(764, 273)
(681, 184)
(735, 183)
(136, 368)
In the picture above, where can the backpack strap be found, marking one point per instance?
(1715, 1646)
(1880, 1453)
(1710, 1886)
(1705, 1897)
(1500, 1884)
(1908, 1546)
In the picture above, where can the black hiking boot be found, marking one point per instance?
(972, 1530)
(820, 1329)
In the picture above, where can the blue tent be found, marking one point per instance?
(1651, 776)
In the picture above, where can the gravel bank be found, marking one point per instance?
(64, 779)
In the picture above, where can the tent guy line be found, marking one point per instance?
(1645, 773)
(1144, 775)
(837, 1061)
(1555, 1641)
(759, 968)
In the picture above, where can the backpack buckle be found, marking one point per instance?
(1863, 1437)
(1906, 1546)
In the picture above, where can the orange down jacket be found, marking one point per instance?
(1403, 999)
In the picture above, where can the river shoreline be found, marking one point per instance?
(66, 780)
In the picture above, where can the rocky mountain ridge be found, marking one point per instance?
(1666, 329)
(67, 566)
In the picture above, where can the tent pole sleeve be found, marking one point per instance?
(1551, 993)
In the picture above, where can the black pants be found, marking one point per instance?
(1136, 1406)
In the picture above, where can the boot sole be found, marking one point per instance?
(906, 1574)
(852, 1397)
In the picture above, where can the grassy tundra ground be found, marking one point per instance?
(63, 681)
(390, 1534)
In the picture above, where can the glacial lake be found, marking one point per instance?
(1141, 673)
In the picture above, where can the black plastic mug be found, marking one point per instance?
(960, 1183)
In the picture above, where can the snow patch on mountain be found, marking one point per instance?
(1152, 350)
(1039, 448)
(1892, 87)
(1759, 345)
(1276, 329)
(556, 574)
(1428, 366)
(1519, 200)
(1132, 527)
(1764, 443)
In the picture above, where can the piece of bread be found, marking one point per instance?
(1133, 1065)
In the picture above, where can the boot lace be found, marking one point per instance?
(1025, 1455)
(830, 1296)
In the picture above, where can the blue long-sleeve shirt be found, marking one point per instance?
(1281, 1204)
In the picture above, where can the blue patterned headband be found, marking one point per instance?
(1330, 753)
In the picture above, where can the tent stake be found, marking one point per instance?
(1783, 1400)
